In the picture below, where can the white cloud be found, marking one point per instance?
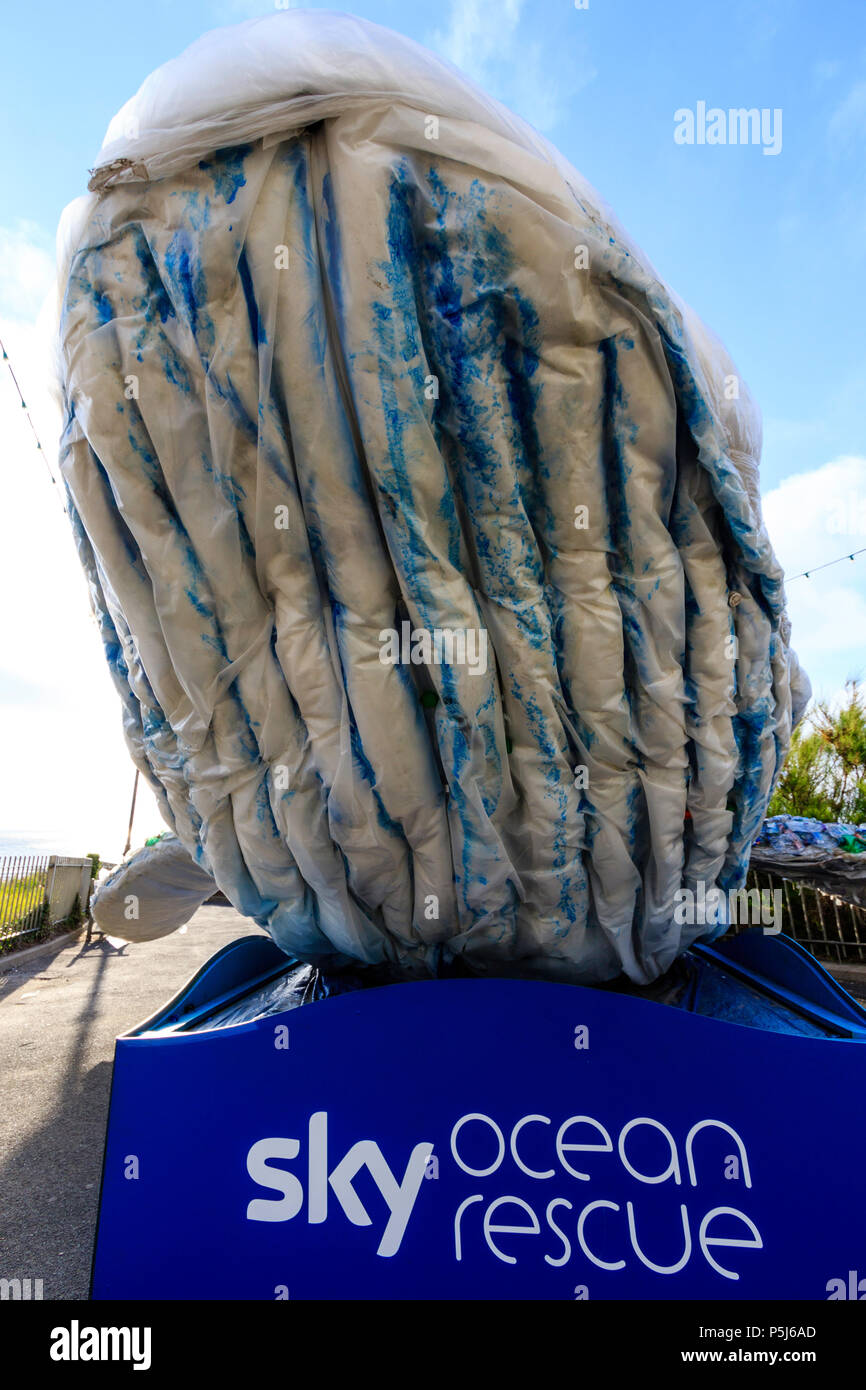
(848, 121)
(26, 269)
(499, 45)
(759, 25)
(825, 70)
(812, 518)
(479, 31)
(234, 11)
(64, 765)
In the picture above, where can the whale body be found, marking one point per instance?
(351, 356)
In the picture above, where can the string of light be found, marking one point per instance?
(7, 359)
(807, 574)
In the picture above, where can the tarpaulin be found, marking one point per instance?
(150, 893)
(421, 518)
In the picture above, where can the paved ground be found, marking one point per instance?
(59, 1016)
(852, 978)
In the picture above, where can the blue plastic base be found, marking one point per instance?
(492, 1139)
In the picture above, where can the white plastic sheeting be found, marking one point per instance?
(346, 346)
(150, 893)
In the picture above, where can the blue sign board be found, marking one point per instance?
(484, 1139)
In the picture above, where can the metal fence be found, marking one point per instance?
(823, 922)
(38, 891)
(23, 899)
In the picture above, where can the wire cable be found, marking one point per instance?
(807, 574)
(24, 407)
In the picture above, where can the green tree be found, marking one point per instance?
(825, 773)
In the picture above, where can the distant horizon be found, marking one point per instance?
(108, 845)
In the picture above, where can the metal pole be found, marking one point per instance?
(16, 889)
(5, 878)
(131, 815)
(52, 870)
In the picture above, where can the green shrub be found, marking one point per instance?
(825, 772)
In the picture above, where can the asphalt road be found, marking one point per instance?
(59, 1016)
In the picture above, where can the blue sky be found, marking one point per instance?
(770, 249)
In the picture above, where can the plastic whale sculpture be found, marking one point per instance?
(421, 518)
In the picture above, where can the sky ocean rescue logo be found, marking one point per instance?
(557, 1227)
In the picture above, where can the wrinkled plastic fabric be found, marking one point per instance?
(696, 986)
(151, 893)
(331, 366)
(301, 984)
